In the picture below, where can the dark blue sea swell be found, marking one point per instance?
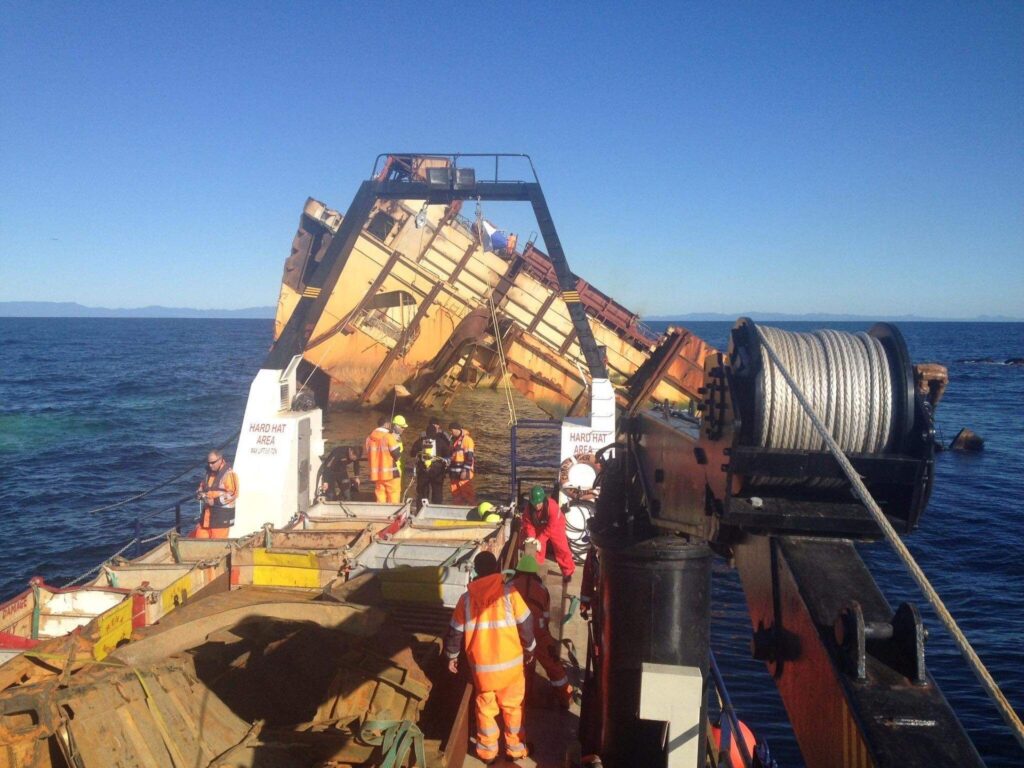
(95, 410)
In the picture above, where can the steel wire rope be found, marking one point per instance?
(513, 418)
(974, 662)
(165, 483)
(98, 566)
(845, 377)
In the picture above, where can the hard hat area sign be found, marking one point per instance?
(581, 441)
(264, 435)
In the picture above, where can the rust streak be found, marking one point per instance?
(389, 358)
(374, 287)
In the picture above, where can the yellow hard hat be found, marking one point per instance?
(399, 421)
(527, 564)
(483, 508)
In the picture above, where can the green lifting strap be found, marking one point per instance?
(395, 739)
(573, 605)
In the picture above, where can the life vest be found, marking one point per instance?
(463, 457)
(222, 515)
(378, 447)
(490, 614)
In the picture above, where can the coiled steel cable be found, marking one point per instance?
(846, 379)
(980, 671)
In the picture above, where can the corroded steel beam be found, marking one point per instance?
(370, 293)
(396, 350)
(295, 335)
(849, 707)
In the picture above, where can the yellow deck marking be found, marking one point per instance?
(284, 569)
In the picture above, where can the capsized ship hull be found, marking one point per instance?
(421, 305)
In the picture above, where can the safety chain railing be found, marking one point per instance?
(182, 520)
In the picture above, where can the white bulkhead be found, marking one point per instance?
(278, 454)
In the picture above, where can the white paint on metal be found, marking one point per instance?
(267, 460)
(672, 694)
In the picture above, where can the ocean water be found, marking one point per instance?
(93, 411)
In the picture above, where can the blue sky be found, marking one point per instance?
(863, 158)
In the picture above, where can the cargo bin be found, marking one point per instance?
(103, 614)
(161, 586)
(413, 570)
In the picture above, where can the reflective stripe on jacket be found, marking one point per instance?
(463, 457)
(492, 621)
(380, 449)
(215, 484)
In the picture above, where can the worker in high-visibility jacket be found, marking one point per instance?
(462, 466)
(492, 622)
(544, 523)
(217, 491)
(383, 450)
(530, 586)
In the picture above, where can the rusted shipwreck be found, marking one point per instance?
(429, 300)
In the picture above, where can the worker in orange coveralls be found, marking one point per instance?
(462, 466)
(493, 623)
(383, 450)
(544, 523)
(529, 584)
(217, 491)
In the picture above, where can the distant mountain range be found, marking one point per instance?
(71, 309)
(824, 317)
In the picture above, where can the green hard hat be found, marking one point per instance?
(537, 495)
(527, 564)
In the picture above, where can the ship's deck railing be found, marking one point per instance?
(521, 470)
(454, 158)
(179, 521)
(729, 722)
(182, 521)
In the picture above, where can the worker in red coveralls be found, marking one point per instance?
(529, 584)
(544, 522)
(491, 621)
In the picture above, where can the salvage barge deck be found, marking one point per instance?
(323, 630)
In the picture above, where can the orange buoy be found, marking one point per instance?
(735, 753)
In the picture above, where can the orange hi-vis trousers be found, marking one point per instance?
(388, 491)
(204, 531)
(546, 656)
(509, 701)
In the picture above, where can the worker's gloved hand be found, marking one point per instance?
(566, 580)
(585, 611)
(453, 665)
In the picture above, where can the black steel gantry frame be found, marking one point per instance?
(458, 183)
